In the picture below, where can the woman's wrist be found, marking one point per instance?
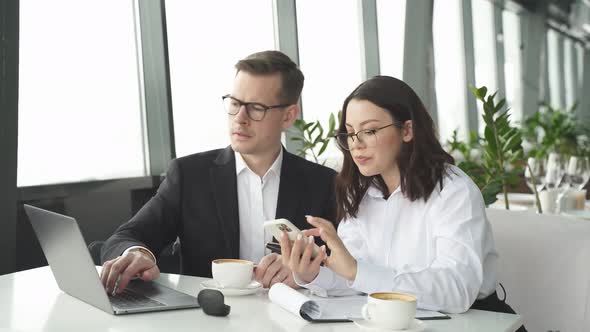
(311, 277)
(304, 279)
(351, 273)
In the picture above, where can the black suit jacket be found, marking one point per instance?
(198, 202)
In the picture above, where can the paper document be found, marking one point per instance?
(335, 309)
(428, 315)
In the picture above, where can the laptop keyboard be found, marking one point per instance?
(130, 299)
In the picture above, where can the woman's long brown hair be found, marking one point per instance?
(421, 161)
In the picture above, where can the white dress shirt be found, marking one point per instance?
(442, 250)
(257, 202)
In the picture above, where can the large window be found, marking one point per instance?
(79, 102)
(555, 63)
(569, 74)
(573, 68)
(330, 56)
(391, 20)
(513, 63)
(449, 64)
(205, 40)
(484, 44)
(580, 74)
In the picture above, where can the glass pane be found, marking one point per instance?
(330, 56)
(513, 63)
(484, 43)
(449, 64)
(391, 20)
(554, 63)
(580, 73)
(569, 75)
(203, 50)
(79, 102)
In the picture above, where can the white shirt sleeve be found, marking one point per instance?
(452, 281)
(327, 282)
(137, 247)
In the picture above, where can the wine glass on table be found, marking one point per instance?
(578, 171)
(577, 174)
(554, 177)
(534, 174)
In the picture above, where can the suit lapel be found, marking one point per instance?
(290, 190)
(225, 189)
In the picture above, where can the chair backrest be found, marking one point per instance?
(545, 267)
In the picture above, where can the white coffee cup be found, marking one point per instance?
(547, 199)
(232, 273)
(389, 310)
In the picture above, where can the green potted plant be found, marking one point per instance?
(555, 130)
(313, 138)
(470, 162)
(501, 147)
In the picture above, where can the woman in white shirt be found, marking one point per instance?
(411, 221)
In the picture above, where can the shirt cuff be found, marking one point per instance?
(371, 277)
(143, 249)
(320, 284)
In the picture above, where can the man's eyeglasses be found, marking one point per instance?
(367, 136)
(255, 111)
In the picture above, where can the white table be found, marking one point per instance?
(31, 300)
(526, 202)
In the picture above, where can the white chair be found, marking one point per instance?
(545, 267)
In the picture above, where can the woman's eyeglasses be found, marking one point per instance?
(367, 136)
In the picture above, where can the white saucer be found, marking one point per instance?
(416, 326)
(513, 207)
(518, 198)
(251, 288)
(584, 214)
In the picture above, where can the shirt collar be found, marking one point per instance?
(274, 168)
(376, 193)
(240, 163)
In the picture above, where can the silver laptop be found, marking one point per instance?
(76, 275)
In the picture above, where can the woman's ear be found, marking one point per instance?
(407, 131)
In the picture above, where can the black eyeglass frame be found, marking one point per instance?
(247, 104)
(397, 124)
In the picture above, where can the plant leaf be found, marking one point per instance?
(331, 123)
(323, 148)
(299, 124)
(317, 140)
(490, 139)
(479, 93)
(500, 104)
(317, 124)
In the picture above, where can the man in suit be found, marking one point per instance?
(216, 201)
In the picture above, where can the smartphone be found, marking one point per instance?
(278, 226)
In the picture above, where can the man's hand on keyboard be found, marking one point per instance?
(117, 273)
